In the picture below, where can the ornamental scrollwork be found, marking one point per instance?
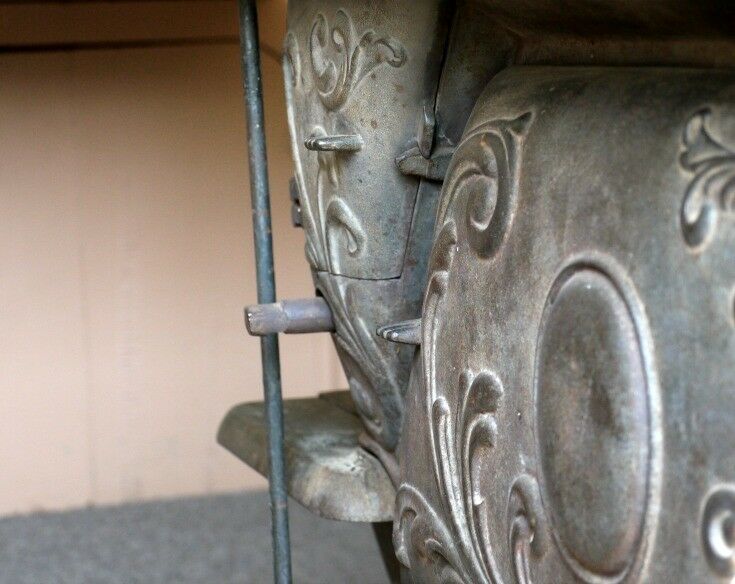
(452, 542)
(711, 191)
(323, 65)
(340, 58)
(455, 544)
(718, 526)
(484, 170)
(375, 388)
(356, 56)
(344, 231)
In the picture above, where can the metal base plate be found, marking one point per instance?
(327, 471)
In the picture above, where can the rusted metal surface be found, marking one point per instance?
(327, 471)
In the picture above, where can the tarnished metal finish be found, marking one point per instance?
(407, 332)
(718, 531)
(358, 70)
(570, 413)
(567, 414)
(303, 315)
(327, 470)
(293, 193)
(376, 370)
(338, 143)
(414, 163)
(360, 91)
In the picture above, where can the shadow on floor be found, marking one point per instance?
(205, 540)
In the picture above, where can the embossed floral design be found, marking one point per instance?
(374, 386)
(322, 69)
(712, 190)
(337, 224)
(329, 222)
(484, 171)
(340, 58)
(357, 57)
(456, 445)
(456, 544)
(452, 543)
(461, 441)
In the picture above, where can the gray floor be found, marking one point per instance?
(212, 540)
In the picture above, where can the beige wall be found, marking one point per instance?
(126, 253)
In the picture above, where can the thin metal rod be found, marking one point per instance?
(260, 198)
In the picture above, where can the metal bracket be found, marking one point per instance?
(407, 332)
(337, 143)
(419, 160)
(413, 163)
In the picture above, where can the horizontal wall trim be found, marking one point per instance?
(130, 44)
(118, 44)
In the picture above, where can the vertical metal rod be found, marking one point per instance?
(250, 55)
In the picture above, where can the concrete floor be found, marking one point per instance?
(212, 540)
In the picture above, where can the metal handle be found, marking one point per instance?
(305, 315)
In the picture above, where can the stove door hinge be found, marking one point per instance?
(426, 160)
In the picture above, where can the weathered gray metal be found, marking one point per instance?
(327, 470)
(571, 415)
(336, 143)
(360, 89)
(303, 315)
(407, 332)
(570, 406)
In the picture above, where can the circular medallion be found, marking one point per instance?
(593, 423)
(718, 531)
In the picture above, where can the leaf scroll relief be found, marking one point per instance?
(375, 387)
(355, 56)
(320, 77)
(340, 58)
(711, 191)
(453, 542)
(484, 171)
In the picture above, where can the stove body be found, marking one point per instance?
(542, 195)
